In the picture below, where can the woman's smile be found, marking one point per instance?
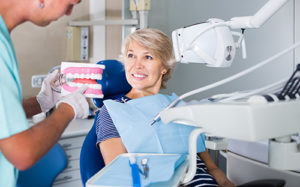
(139, 76)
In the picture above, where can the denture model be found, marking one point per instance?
(75, 75)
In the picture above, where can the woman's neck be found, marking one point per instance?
(134, 94)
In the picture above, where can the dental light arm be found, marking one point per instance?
(261, 16)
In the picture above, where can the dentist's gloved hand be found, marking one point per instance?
(78, 102)
(47, 97)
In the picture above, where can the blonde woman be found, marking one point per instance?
(124, 125)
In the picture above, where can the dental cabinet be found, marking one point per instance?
(71, 141)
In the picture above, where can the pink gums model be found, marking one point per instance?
(79, 74)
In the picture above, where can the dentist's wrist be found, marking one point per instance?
(66, 109)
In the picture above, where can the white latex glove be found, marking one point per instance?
(47, 97)
(78, 102)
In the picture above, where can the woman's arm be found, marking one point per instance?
(108, 138)
(111, 148)
(218, 174)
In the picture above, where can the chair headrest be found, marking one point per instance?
(114, 83)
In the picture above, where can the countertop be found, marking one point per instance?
(77, 127)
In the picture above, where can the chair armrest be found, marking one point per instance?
(264, 183)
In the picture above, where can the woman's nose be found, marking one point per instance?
(138, 63)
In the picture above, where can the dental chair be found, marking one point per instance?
(114, 84)
(44, 172)
(91, 160)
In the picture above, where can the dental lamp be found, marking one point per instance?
(213, 43)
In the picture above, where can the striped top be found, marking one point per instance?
(105, 129)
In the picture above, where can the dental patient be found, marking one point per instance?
(123, 125)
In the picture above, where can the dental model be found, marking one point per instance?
(75, 75)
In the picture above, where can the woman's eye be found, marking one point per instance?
(149, 57)
(130, 55)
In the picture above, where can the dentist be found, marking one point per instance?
(21, 146)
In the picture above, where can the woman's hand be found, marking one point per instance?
(220, 177)
(218, 174)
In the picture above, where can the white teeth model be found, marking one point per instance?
(85, 76)
(94, 86)
(96, 76)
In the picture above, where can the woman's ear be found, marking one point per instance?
(164, 71)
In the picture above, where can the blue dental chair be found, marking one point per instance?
(44, 172)
(91, 160)
(114, 84)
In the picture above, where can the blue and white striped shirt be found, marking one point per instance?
(105, 128)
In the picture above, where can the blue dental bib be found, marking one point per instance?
(133, 118)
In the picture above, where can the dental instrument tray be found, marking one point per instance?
(161, 170)
(240, 120)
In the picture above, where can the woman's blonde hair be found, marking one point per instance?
(158, 43)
